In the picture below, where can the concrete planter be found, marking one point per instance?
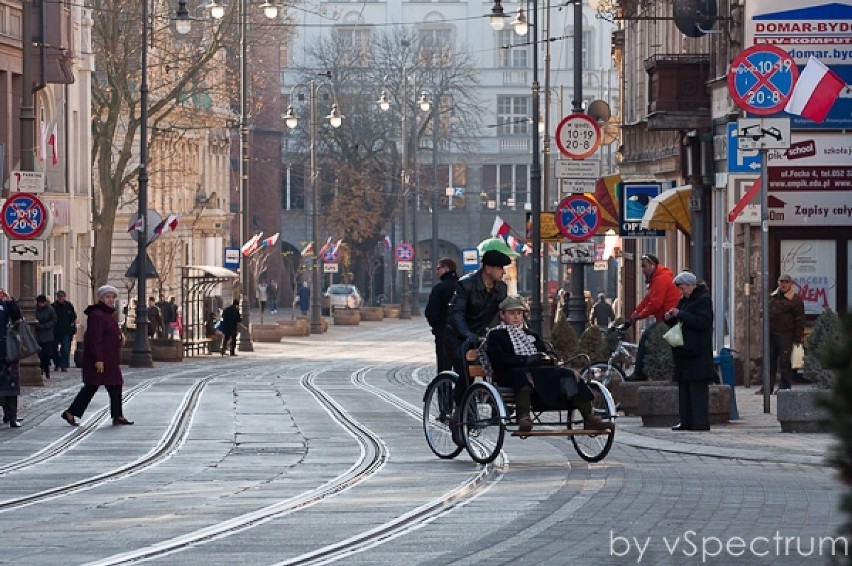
(298, 327)
(347, 317)
(798, 410)
(658, 405)
(372, 313)
(626, 394)
(323, 324)
(391, 310)
(165, 350)
(266, 333)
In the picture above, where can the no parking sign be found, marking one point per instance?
(23, 216)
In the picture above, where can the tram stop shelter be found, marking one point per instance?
(204, 289)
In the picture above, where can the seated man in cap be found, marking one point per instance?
(473, 307)
(520, 361)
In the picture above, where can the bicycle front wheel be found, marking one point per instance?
(481, 423)
(595, 447)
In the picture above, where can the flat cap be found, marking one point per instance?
(785, 277)
(493, 257)
(514, 303)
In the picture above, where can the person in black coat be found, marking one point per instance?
(437, 308)
(694, 360)
(231, 320)
(10, 383)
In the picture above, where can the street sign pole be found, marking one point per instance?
(764, 269)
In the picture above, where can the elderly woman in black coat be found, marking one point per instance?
(694, 360)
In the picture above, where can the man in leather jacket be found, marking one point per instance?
(474, 306)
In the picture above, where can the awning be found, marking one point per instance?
(669, 210)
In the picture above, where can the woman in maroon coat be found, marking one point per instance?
(101, 357)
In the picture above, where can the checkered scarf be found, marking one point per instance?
(522, 343)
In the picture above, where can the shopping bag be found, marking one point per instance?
(674, 336)
(20, 341)
(797, 356)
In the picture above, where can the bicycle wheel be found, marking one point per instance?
(437, 409)
(482, 427)
(604, 373)
(595, 447)
(627, 361)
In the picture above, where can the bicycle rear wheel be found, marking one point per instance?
(595, 447)
(437, 410)
(604, 373)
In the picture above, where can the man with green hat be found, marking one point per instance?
(473, 307)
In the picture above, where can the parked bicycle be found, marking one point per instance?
(621, 363)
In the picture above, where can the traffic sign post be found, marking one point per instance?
(761, 79)
(578, 136)
(23, 216)
(578, 217)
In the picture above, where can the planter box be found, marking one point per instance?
(372, 313)
(298, 327)
(165, 350)
(323, 324)
(391, 310)
(347, 317)
(798, 411)
(626, 394)
(265, 333)
(658, 405)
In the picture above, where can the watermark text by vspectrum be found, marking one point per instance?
(706, 548)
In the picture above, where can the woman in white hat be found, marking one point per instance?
(101, 359)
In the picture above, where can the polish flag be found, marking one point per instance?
(138, 225)
(307, 249)
(815, 91)
(42, 146)
(170, 222)
(53, 142)
(270, 241)
(325, 246)
(500, 228)
(387, 242)
(251, 246)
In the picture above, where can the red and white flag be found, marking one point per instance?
(500, 228)
(53, 142)
(387, 242)
(170, 222)
(42, 146)
(815, 91)
(307, 249)
(325, 246)
(138, 225)
(270, 241)
(251, 246)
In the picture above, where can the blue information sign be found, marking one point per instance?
(634, 203)
(741, 160)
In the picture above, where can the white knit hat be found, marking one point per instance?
(104, 289)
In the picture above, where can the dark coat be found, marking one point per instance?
(602, 314)
(438, 306)
(102, 344)
(694, 360)
(45, 323)
(230, 319)
(787, 315)
(66, 317)
(472, 309)
(514, 370)
(304, 298)
(10, 383)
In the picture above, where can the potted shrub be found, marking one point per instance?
(801, 409)
(347, 317)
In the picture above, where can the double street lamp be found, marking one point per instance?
(424, 105)
(335, 119)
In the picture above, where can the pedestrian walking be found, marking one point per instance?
(231, 320)
(45, 316)
(167, 313)
(602, 313)
(272, 296)
(304, 298)
(694, 360)
(155, 319)
(262, 295)
(101, 359)
(473, 308)
(662, 296)
(438, 306)
(786, 328)
(10, 383)
(63, 332)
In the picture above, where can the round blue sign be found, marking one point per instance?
(761, 79)
(578, 217)
(23, 216)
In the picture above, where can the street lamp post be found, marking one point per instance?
(217, 11)
(335, 118)
(498, 22)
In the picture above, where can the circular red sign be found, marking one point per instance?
(761, 79)
(578, 136)
(405, 252)
(578, 217)
(23, 216)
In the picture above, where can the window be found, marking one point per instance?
(434, 43)
(355, 41)
(587, 50)
(505, 186)
(511, 57)
(513, 115)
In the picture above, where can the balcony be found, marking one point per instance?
(678, 98)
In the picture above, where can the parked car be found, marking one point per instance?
(341, 296)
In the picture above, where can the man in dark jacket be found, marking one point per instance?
(786, 327)
(169, 315)
(475, 304)
(231, 320)
(437, 308)
(45, 316)
(694, 360)
(10, 383)
(602, 313)
(63, 332)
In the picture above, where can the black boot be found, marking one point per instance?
(523, 405)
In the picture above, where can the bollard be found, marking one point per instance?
(725, 361)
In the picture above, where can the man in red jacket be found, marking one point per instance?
(662, 295)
